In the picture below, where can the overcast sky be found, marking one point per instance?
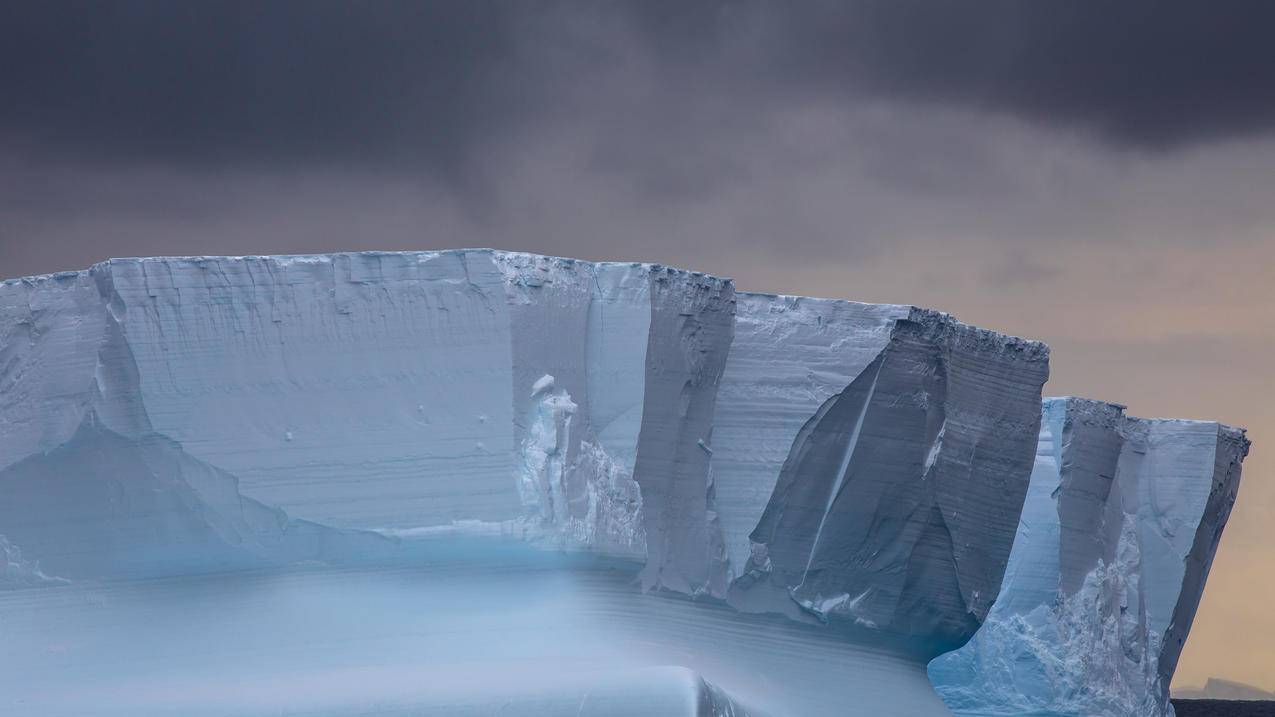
(1098, 175)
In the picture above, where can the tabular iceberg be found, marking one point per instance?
(1117, 535)
(811, 498)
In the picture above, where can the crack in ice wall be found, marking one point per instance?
(692, 322)
(789, 355)
(1119, 529)
(568, 367)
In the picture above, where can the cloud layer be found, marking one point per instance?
(401, 81)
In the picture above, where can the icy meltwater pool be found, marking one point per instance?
(471, 639)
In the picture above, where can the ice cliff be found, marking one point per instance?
(839, 462)
(870, 462)
(1118, 531)
(859, 468)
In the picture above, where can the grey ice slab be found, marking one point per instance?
(894, 511)
(789, 355)
(1119, 529)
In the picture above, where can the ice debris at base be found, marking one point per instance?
(17, 572)
(859, 468)
(1117, 534)
(605, 507)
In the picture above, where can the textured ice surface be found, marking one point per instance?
(893, 510)
(1119, 528)
(807, 499)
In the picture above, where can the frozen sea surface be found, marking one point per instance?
(440, 639)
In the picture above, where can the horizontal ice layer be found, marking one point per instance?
(437, 639)
(1118, 531)
(643, 692)
(311, 379)
(893, 511)
(353, 390)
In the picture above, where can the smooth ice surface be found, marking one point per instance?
(518, 637)
(1119, 528)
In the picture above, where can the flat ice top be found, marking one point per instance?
(328, 257)
(455, 640)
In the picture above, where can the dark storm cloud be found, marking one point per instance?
(394, 81)
(1147, 72)
(248, 80)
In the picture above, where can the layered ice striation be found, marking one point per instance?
(871, 462)
(1118, 531)
(855, 472)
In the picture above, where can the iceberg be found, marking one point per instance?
(1120, 525)
(396, 474)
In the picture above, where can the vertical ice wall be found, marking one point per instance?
(578, 339)
(397, 391)
(894, 510)
(1118, 531)
(51, 331)
(692, 321)
(790, 354)
(368, 390)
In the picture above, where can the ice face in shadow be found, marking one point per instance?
(103, 505)
(790, 354)
(692, 321)
(1119, 529)
(893, 513)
